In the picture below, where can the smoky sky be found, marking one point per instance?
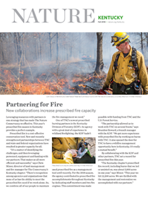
(41, 47)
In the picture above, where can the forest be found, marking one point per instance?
(58, 63)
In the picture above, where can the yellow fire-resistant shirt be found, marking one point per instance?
(66, 160)
(125, 73)
(61, 145)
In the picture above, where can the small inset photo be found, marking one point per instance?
(70, 150)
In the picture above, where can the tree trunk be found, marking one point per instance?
(17, 40)
(3, 48)
(50, 42)
(57, 48)
(40, 47)
(147, 40)
(99, 63)
(80, 55)
(141, 36)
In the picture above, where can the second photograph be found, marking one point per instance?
(70, 150)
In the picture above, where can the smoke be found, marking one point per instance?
(59, 53)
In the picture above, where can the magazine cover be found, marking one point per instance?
(73, 89)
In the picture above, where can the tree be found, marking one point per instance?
(50, 46)
(57, 47)
(3, 43)
(19, 43)
(141, 41)
(99, 63)
(146, 35)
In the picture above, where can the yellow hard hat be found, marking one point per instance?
(119, 37)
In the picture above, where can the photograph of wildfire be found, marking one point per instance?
(58, 63)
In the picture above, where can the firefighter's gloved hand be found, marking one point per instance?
(82, 145)
(73, 152)
(105, 87)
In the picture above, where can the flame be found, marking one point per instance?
(81, 85)
(22, 85)
(21, 72)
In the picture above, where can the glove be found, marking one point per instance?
(105, 87)
(73, 152)
(82, 145)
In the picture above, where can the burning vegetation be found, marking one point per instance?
(51, 81)
(55, 63)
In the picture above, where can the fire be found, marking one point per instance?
(21, 85)
(81, 85)
(21, 72)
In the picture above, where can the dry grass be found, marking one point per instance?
(48, 77)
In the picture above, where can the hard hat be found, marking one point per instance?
(119, 37)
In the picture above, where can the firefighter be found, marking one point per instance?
(127, 73)
(64, 150)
